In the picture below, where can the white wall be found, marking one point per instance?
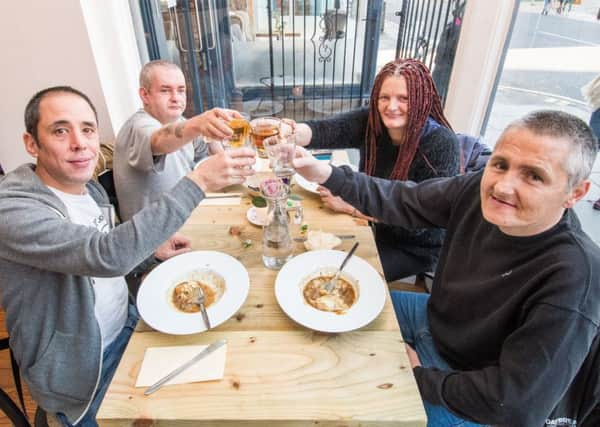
(480, 48)
(47, 43)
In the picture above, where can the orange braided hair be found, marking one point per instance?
(423, 101)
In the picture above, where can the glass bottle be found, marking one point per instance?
(277, 241)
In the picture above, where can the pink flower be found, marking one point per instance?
(273, 188)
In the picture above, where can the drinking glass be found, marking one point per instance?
(241, 129)
(280, 151)
(261, 128)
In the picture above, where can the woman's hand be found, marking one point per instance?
(335, 203)
(413, 357)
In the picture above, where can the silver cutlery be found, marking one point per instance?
(331, 284)
(339, 236)
(215, 345)
(200, 301)
(222, 196)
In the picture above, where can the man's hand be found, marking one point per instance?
(311, 168)
(177, 244)
(224, 169)
(213, 123)
(413, 357)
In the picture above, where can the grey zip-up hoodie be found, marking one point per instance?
(45, 264)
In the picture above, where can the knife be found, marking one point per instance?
(222, 196)
(339, 236)
(215, 345)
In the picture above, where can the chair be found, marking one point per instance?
(474, 153)
(104, 172)
(17, 416)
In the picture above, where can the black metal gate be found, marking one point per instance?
(295, 58)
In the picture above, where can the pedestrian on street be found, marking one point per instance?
(591, 93)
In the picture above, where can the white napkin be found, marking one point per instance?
(221, 199)
(159, 361)
(319, 240)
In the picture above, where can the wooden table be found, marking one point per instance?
(277, 373)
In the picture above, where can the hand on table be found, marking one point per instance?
(335, 203)
(413, 357)
(175, 245)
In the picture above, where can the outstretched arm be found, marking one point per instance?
(173, 136)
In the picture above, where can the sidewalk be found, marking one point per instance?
(586, 11)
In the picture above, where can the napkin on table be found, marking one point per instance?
(159, 361)
(221, 199)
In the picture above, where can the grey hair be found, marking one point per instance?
(146, 72)
(559, 124)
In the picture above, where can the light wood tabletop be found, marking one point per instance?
(277, 373)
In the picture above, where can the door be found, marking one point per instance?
(292, 58)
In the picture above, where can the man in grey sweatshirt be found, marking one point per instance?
(63, 259)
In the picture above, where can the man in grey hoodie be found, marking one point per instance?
(63, 260)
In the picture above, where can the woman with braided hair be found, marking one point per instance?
(403, 135)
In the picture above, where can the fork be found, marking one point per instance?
(200, 301)
(329, 286)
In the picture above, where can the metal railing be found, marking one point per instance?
(304, 58)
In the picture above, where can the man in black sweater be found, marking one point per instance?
(508, 335)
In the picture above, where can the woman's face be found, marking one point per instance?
(392, 102)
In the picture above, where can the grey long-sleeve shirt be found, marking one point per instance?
(45, 264)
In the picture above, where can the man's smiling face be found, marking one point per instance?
(524, 188)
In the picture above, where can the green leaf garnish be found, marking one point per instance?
(259, 201)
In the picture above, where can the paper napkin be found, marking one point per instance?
(159, 361)
(221, 199)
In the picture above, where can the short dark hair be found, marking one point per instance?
(32, 110)
(146, 72)
(559, 124)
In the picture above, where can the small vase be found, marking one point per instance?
(277, 241)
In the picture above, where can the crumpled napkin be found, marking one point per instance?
(319, 240)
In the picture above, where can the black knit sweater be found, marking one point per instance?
(438, 155)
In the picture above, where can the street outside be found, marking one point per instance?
(550, 57)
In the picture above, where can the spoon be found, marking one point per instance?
(329, 286)
(200, 301)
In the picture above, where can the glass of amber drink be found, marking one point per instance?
(241, 129)
(261, 128)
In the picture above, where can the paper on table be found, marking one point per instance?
(213, 199)
(159, 361)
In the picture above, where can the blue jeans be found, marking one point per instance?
(110, 360)
(411, 312)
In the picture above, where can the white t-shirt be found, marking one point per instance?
(110, 306)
